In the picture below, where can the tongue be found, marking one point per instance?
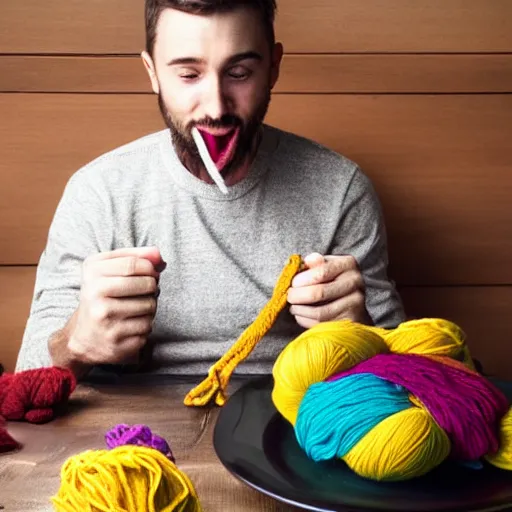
(221, 148)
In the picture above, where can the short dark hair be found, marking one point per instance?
(266, 8)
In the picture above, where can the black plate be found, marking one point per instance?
(258, 446)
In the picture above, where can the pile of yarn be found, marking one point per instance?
(137, 472)
(34, 396)
(393, 404)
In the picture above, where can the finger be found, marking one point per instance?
(314, 259)
(327, 271)
(150, 253)
(348, 307)
(127, 350)
(134, 327)
(127, 286)
(131, 307)
(343, 285)
(307, 323)
(125, 266)
(108, 312)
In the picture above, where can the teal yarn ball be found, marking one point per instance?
(334, 416)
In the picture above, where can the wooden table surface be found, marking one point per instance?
(29, 477)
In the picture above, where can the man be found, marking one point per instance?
(145, 223)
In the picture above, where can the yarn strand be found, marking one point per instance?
(215, 384)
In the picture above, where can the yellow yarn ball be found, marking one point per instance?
(318, 353)
(128, 478)
(503, 457)
(429, 336)
(405, 445)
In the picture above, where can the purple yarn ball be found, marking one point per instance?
(139, 435)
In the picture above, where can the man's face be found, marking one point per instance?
(214, 72)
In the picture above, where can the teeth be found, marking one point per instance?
(217, 132)
(208, 162)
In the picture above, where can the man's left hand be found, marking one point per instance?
(331, 288)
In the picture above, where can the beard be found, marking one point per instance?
(186, 149)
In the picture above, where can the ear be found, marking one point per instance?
(150, 68)
(277, 56)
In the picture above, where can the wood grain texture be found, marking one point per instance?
(441, 165)
(482, 311)
(299, 74)
(95, 409)
(16, 284)
(327, 26)
(332, 26)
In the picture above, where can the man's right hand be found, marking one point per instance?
(118, 301)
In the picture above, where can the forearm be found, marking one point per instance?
(62, 356)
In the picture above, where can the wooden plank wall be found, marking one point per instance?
(418, 93)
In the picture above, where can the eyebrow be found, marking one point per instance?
(180, 61)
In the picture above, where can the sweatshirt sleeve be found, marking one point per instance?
(362, 234)
(72, 237)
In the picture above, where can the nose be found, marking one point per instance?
(215, 99)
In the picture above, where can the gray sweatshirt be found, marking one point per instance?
(224, 253)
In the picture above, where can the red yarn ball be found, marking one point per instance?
(33, 395)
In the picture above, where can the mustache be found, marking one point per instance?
(226, 121)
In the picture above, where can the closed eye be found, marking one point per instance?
(239, 73)
(188, 75)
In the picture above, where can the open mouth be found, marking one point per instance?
(221, 144)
